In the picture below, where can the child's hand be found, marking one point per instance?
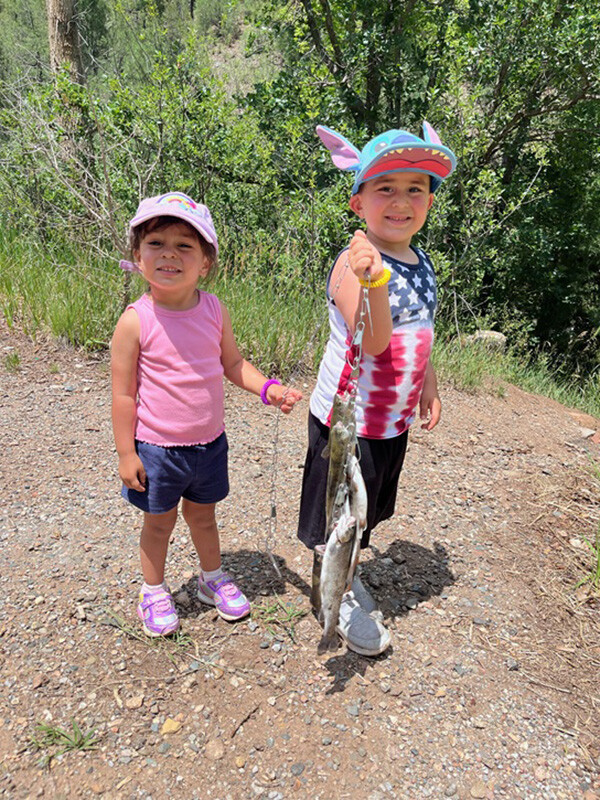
(430, 409)
(283, 396)
(364, 259)
(430, 405)
(132, 472)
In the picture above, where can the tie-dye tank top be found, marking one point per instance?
(389, 384)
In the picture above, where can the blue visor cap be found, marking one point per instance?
(392, 151)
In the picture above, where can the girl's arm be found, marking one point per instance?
(243, 374)
(124, 357)
(347, 293)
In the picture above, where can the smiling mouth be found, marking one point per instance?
(397, 219)
(170, 270)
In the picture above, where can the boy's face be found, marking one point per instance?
(394, 206)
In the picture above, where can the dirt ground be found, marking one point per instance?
(490, 689)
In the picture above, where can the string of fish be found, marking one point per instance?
(356, 347)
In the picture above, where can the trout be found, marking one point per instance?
(342, 444)
(346, 511)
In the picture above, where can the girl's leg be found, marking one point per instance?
(202, 523)
(214, 586)
(156, 608)
(154, 543)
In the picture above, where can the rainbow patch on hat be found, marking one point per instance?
(182, 200)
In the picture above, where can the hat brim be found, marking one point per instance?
(435, 161)
(205, 232)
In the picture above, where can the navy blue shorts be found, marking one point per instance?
(198, 473)
(381, 462)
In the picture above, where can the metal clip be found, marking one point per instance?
(358, 335)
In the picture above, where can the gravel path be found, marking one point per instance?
(489, 691)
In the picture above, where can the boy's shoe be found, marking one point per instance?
(222, 593)
(365, 600)
(362, 633)
(158, 614)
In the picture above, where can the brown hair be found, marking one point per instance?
(158, 224)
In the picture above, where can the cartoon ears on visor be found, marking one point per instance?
(392, 151)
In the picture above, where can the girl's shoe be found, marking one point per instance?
(158, 614)
(225, 596)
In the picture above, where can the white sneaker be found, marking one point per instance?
(362, 633)
(366, 601)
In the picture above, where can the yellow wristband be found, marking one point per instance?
(379, 282)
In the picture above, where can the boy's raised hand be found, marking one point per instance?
(364, 259)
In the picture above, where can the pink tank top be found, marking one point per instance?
(180, 374)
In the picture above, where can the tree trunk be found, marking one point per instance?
(63, 37)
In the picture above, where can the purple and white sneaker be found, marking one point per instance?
(158, 614)
(222, 593)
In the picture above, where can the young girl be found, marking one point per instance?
(170, 351)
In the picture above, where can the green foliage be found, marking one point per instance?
(12, 362)
(512, 87)
(23, 40)
(57, 741)
(592, 579)
(275, 614)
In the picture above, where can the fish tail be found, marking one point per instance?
(329, 641)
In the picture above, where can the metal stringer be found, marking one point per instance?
(365, 313)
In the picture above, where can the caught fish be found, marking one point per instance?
(334, 578)
(346, 510)
(342, 444)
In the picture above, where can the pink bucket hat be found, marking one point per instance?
(179, 205)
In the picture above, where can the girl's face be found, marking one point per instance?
(172, 260)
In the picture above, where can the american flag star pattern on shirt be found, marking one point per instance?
(389, 384)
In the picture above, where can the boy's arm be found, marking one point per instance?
(364, 261)
(430, 405)
(124, 356)
(246, 376)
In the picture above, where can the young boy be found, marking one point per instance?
(397, 174)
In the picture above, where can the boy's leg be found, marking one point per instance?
(311, 516)
(215, 587)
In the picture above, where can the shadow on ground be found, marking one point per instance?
(405, 575)
(400, 578)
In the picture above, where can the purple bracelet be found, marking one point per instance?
(263, 391)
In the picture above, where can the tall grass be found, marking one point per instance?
(74, 297)
(471, 366)
(78, 298)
